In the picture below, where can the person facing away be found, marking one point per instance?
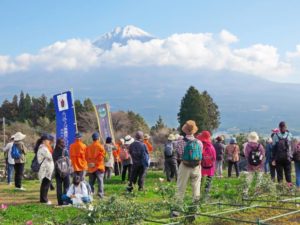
(140, 160)
(19, 158)
(77, 193)
(77, 156)
(254, 153)
(62, 182)
(45, 160)
(109, 158)
(95, 155)
(147, 143)
(117, 159)
(268, 155)
(282, 153)
(189, 168)
(170, 158)
(220, 151)
(179, 147)
(208, 159)
(126, 157)
(296, 158)
(9, 160)
(232, 152)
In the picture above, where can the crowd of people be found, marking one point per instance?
(193, 156)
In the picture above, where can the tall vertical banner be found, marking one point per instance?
(65, 117)
(105, 122)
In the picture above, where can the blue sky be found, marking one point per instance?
(27, 26)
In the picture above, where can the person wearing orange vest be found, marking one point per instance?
(147, 143)
(95, 155)
(77, 156)
(116, 153)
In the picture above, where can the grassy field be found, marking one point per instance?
(151, 204)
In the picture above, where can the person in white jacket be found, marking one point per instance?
(77, 193)
(45, 160)
(10, 162)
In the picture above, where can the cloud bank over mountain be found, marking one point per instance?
(132, 47)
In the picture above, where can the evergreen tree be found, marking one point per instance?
(137, 122)
(22, 107)
(50, 112)
(159, 124)
(200, 108)
(26, 113)
(88, 105)
(15, 108)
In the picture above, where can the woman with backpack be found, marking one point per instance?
(208, 159)
(296, 158)
(126, 157)
(170, 159)
(232, 152)
(18, 153)
(254, 153)
(61, 155)
(45, 160)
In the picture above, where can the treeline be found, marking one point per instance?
(26, 108)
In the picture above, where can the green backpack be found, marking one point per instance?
(192, 153)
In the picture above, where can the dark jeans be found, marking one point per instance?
(68, 200)
(138, 173)
(287, 168)
(10, 171)
(62, 186)
(19, 170)
(44, 190)
(272, 171)
(235, 164)
(118, 168)
(99, 176)
(124, 170)
(171, 169)
(107, 174)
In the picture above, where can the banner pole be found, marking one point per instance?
(74, 109)
(98, 122)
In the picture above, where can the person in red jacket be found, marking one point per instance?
(77, 156)
(95, 154)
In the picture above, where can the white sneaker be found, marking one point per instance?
(22, 189)
(49, 203)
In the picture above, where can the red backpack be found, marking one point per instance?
(124, 155)
(207, 157)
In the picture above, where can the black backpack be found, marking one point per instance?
(169, 149)
(219, 151)
(255, 157)
(63, 166)
(35, 165)
(282, 149)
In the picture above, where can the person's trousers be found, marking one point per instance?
(235, 164)
(171, 169)
(208, 184)
(99, 176)
(286, 167)
(45, 185)
(19, 170)
(62, 186)
(272, 171)
(107, 174)
(118, 168)
(219, 167)
(138, 173)
(252, 177)
(185, 174)
(266, 166)
(297, 169)
(10, 171)
(124, 170)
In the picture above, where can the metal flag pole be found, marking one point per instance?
(98, 122)
(3, 130)
(74, 109)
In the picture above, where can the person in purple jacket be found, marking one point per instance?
(254, 153)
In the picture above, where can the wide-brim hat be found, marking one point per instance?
(253, 137)
(146, 136)
(128, 140)
(233, 141)
(190, 127)
(204, 136)
(19, 136)
(171, 137)
(122, 141)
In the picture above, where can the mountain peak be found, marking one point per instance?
(121, 35)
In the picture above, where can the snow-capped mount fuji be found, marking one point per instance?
(121, 35)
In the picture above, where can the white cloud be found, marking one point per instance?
(187, 50)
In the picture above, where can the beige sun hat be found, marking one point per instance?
(253, 137)
(171, 137)
(190, 127)
(19, 136)
(128, 140)
(146, 136)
